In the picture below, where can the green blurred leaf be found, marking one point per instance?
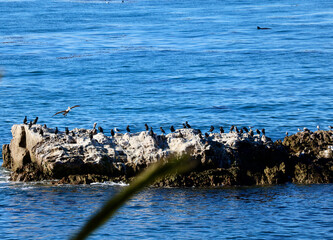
(156, 171)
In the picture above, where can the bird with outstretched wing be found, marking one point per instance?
(65, 112)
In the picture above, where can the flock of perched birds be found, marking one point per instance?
(233, 128)
(147, 128)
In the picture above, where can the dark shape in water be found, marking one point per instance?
(100, 129)
(162, 130)
(211, 128)
(172, 129)
(260, 28)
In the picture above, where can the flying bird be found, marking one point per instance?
(65, 112)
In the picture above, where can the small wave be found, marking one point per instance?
(122, 184)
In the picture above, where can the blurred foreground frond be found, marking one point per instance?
(156, 171)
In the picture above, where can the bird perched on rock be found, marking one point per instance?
(128, 129)
(66, 130)
(56, 131)
(44, 126)
(184, 126)
(286, 134)
(241, 131)
(245, 129)
(263, 131)
(180, 134)
(94, 131)
(162, 130)
(251, 133)
(95, 124)
(257, 131)
(116, 130)
(30, 124)
(65, 112)
(112, 133)
(187, 125)
(151, 132)
(211, 128)
(221, 130)
(232, 128)
(41, 132)
(236, 130)
(318, 127)
(200, 133)
(91, 135)
(206, 135)
(73, 134)
(25, 120)
(100, 129)
(146, 126)
(35, 121)
(172, 129)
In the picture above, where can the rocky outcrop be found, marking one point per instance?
(225, 159)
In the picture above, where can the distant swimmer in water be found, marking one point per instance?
(259, 28)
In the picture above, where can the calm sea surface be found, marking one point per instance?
(162, 63)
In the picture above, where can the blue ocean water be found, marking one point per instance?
(163, 63)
